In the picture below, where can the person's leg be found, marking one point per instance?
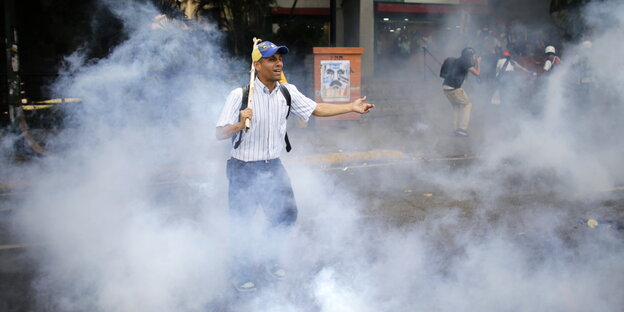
(503, 93)
(456, 115)
(280, 209)
(242, 205)
(450, 95)
(465, 107)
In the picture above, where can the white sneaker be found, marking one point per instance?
(245, 286)
(276, 271)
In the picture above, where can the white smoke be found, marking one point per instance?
(133, 212)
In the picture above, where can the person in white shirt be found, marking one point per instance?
(508, 63)
(506, 79)
(255, 173)
(552, 60)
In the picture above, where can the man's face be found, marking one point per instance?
(336, 76)
(270, 68)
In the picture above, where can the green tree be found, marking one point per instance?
(240, 19)
(558, 5)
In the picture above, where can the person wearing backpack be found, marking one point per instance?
(255, 173)
(506, 80)
(454, 72)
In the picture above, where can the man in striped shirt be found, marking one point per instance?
(255, 172)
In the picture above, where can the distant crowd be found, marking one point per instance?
(509, 63)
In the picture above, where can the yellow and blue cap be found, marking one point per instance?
(267, 49)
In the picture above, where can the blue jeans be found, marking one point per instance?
(263, 183)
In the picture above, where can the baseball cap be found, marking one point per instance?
(268, 48)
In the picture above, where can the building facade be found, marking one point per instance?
(393, 33)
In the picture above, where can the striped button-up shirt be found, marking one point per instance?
(265, 138)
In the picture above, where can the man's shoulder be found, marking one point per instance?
(466, 63)
(290, 88)
(237, 91)
(288, 85)
(235, 95)
(460, 64)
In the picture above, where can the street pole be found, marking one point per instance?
(12, 58)
(424, 63)
(332, 26)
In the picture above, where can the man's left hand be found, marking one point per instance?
(359, 106)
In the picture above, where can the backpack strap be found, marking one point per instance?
(286, 95)
(243, 106)
(504, 69)
(244, 101)
(555, 60)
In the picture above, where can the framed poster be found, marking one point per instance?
(335, 80)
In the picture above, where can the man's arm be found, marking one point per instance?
(228, 131)
(476, 70)
(516, 64)
(357, 106)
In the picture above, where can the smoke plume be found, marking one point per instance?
(132, 210)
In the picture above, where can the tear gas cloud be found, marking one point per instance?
(120, 239)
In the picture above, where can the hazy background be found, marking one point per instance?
(120, 237)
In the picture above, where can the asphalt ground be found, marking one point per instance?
(392, 205)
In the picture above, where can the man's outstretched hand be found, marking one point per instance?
(359, 106)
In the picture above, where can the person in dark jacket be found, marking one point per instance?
(454, 92)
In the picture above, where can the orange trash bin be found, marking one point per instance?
(337, 78)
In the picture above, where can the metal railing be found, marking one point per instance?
(426, 65)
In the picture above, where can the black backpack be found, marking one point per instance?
(447, 67)
(245, 99)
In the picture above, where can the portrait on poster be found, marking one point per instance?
(335, 84)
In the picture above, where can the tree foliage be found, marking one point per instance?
(558, 5)
(240, 19)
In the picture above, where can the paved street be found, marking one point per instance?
(406, 172)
